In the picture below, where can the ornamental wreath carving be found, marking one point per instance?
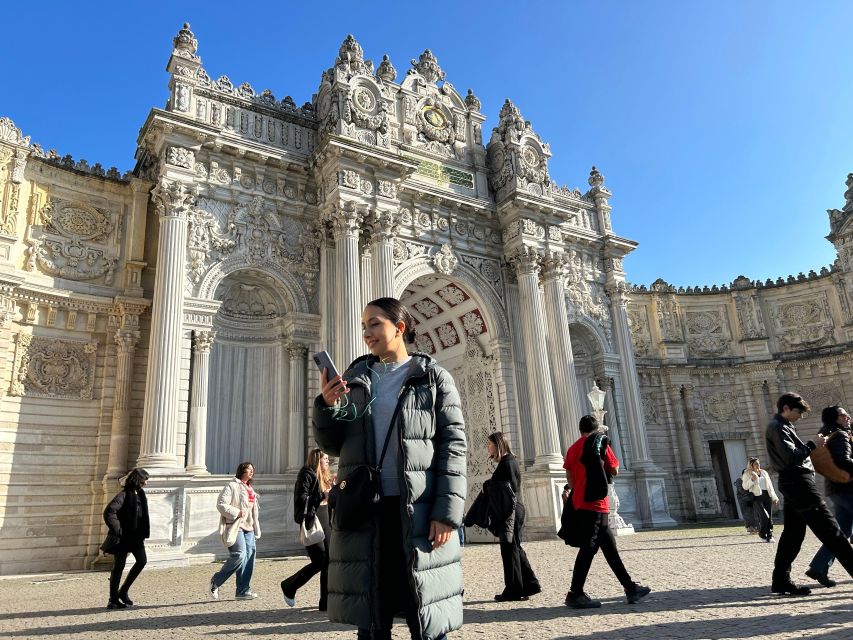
(706, 334)
(720, 407)
(804, 324)
(53, 368)
(444, 260)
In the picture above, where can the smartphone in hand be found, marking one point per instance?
(324, 361)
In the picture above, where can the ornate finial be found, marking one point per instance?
(471, 101)
(10, 133)
(595, 178)
(848, 195)
(386, 70)
(185, 40)
(350, 50)
(427, 66)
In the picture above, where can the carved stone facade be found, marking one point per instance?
(713, 360)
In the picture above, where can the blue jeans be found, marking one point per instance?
(241, 561)
(843, 506)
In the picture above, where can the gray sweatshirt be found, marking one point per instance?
(386, 381)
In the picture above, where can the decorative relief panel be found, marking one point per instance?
(448, 335)
(803, 324)
(639, 326)
(650, 407)
(427, 308)
(473, 323)
(587, 299)
(452, 295)
(74, 240)
(721, 406)
(53, 368)
(820, 396)
(424, 343)
(707, 334)
(669, 319)
(489, 269)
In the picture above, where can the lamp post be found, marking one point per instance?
(617, 523)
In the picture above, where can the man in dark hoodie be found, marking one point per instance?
(590, 465)
(803, 504)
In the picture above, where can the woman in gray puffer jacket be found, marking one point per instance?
(406, 558)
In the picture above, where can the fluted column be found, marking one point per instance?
(367, 281)
(682, 440)
(562, 358)
(296, 432)
(348, 300)
(630, 382)
(382, 246)
(543, 416)
(697, 443)
(126, 341)
(196, 463)
(160, 419)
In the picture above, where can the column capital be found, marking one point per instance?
(525, 260)
(384, 225)
(554, 265)
(203, 341)
(618, 291)
(346, 221)
(297, 351)
(126, 339)
(174, 199)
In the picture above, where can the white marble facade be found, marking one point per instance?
(165, 318)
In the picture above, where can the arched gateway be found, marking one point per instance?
(256, 230)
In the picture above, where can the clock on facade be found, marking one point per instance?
(435, 117)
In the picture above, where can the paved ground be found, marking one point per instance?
(708, 583)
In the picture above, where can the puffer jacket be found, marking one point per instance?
(841, 448)
(430, 433)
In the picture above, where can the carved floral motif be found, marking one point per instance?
(706, 333)
(53, 368)
(721, 406)
(805, 323)
(444, 260)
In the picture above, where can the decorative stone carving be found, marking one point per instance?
(490, 270)
(53, 368)
(749, 316)
(10, 133)
(434, 121)
(706, 333)
(76, 220)
(180, 157)
(669, 319)
(805, 323)
(444, 260)
(471, 101)
(822, 395)
(386, 71)
(721, 406)
(650, 403)
(172, 198)
(588, 299)
(448, 335)
(640, 334)
(427, 66)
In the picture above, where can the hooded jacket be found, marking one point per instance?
(430, 433)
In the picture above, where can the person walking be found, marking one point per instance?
(405, 557)
(504, 495)
(803, 506)
(127, 518)
(757, 481)
(836, 429)
(239, 518)
(590, 466)
(310, 500)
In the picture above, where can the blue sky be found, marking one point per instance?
(723, 130)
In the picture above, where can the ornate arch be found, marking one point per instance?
(220, 270)
(594, 332)
(477, 287)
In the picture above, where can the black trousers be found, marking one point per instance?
(319, 556)
(763, 508)
(519, 579)
(598, 536)
(805, 508)
(119, 561)
(395, 591)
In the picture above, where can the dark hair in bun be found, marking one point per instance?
(396, 312)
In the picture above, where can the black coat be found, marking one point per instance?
(505, 498)
(127, 517)
(841, 449)
(306, 491)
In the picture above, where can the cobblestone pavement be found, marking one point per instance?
(708, 583)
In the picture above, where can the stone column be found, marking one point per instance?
(681, 429)
(562, 358)
(543, 417)
(697, 443)
(382, 245)
(630, 381)
(196, 463)
(348, 299)
(367, 280)
(119, 432)
(296, 432)
(160, 419)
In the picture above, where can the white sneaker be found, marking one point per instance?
(249, 595)
(213, 590)
(290, 602)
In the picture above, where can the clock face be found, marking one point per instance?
(435, 117)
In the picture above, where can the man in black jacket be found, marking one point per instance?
(803, 505)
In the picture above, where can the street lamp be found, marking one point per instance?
(617, 523)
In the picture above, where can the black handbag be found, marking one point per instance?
(570, 529)
(111, 544)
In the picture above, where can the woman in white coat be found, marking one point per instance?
(240, 527)
(757, 481)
